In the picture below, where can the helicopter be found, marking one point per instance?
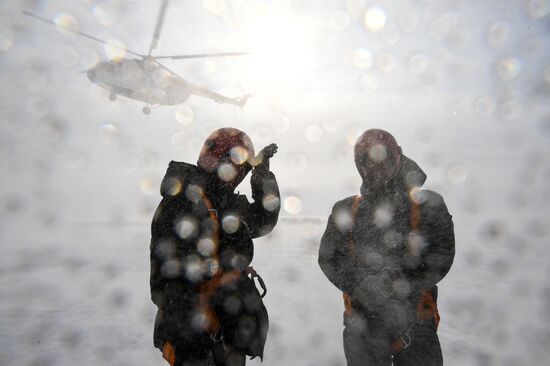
(145, 78)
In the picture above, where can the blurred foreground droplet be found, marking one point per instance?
(538, 8)
(340, 20)
(104, 14)
(281, 124)
(508, 69)
(419, 63)
(293, 205)
(63, 21)
(485, 105)
(314, 133)
(6, 37)
(498, 34)
(409, 22)
(148, 186)
(457, 174)
(361, 59)
(375, 19)
(109, 132)
(386, 62)
(299, 162)
(184, 115)
(116, 51)
(368, 83)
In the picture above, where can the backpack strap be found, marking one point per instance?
(414, 218)
(350, 243)
(348, 309)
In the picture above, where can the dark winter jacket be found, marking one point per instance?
(198, 230)
(372, 255)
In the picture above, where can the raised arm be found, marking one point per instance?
(265, 194)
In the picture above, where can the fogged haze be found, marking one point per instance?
(462, 85)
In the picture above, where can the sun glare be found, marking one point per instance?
(282, 49)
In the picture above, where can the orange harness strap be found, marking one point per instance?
(169, 353)
(206, 292)
(351, 246)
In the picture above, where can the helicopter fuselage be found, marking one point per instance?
(141, 79)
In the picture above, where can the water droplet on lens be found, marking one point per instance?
(109, 132)
(148, 186)
(390, 35)
(230, 224)
(293, 205)
(369, 83)
(6, 37)
(498, 34)
(409, 22)
(457, 174)
(184, 115)
(340, 20)
(361, 59)
(313, 133)
(485, 105)
(238, 155)
(386, 62)
(206, 247)
(508, 69)
(299, 162)
(419, 63)
(374, 19)
(538, 8)
(186, 227)
(227, 172)
(281, 124)
(271, 202)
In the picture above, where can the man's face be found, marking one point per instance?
(377, 164)
(233, 167)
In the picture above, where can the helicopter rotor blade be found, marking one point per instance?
(158, 27)
(204, 55)
(80, 33)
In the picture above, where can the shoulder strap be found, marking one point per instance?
(414, 219)
(354, 209)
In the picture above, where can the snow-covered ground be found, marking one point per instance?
(79, 294)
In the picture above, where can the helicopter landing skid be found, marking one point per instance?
(147, 109)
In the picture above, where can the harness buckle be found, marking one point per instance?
(406, 340)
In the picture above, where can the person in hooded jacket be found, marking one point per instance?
(209, 310)
(386, 249)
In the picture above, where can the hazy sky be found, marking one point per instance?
(461, 84)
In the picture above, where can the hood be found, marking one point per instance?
(177, 176)
(227, 153)
(410, 173)
(408, 176)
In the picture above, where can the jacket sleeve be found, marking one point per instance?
(335, 258)
(168, 251)
(436, 244)
(266, 202)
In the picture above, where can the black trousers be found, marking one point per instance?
(368, 343)
(217, 357)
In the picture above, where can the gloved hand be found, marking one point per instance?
(263, 158)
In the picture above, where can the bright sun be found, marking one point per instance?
(282, 47)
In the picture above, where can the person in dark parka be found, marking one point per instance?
(208, 308)
(386, 249)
